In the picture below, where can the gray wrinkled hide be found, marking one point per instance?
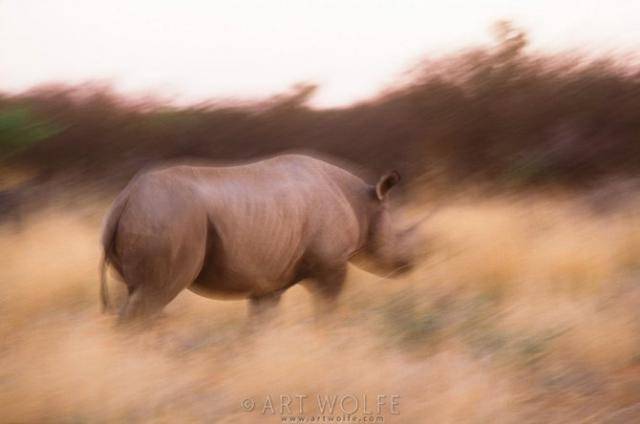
(247, 231)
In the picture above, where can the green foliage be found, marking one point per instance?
(20, 128)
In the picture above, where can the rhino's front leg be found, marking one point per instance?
(263, 308)
(326, 288)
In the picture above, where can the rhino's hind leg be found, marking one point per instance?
(148, 296)
(141, 305)
(147, 300)
(159, 274)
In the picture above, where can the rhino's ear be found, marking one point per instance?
(387, 181)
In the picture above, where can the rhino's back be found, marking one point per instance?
(294, 185)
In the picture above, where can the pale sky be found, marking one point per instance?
(250, 49)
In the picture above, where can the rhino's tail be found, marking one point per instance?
(108, 238)
(104, 291)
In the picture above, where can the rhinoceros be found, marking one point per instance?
(249, 231)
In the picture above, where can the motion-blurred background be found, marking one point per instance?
(516, 123)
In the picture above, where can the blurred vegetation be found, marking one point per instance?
(19, 129)
(498, 114)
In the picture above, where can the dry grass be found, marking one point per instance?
(527, 311)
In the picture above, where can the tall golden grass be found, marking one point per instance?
(527, 310)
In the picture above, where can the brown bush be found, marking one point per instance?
(496, 113)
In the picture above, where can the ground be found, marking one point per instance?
(526, 310)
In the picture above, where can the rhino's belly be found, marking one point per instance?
(218, 291)
(224, 283)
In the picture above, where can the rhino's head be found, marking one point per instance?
(391, 248)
